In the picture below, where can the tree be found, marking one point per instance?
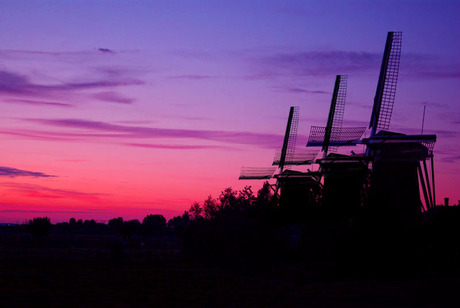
(195, 211)
(210, 208)
(227, 198)
(130, 228)
(153, 224)
(40, 226)
(246, 197)
(116, 223)
(264, 195)
(179, 223)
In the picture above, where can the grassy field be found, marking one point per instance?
(32, 282)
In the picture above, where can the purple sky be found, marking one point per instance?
(124, 108)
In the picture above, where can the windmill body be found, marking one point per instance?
(342, 175)
(296, 189)
(396, 161)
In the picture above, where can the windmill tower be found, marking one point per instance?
(396, 161)
(343, 176)
(296, 189)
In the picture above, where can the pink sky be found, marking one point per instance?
(122, 108)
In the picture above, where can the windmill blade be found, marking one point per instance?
(339, 136)
(386, 87)
(335, 118)
(256, 173)
(287, 151)
(333, 135)
(297, 159)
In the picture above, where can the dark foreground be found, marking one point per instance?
(27, 282)
(234, 260)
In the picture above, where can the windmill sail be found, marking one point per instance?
(334, 135)
(335, 118)
(283, 158)
(298, 158)
(386, 87)
(342, 136)
(287, 151)
(256, 173)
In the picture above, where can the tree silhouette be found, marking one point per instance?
(130, 228)
(210, 208)
(116, 224)
(153, 225)
(40, 226)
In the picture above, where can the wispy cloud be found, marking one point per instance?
(450, 158)
(36, 135)
(113, 97)
(39, 191)
(37, 103)
(192, 77)
(300, 90)
(429, 66)
(175, 146)
(17, 88)
(316, 63)
(9, 53)
(124, 131)
(105, 50)
(17, 84)
(325, 63)
(13, 172)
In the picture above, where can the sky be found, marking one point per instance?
(129, 108)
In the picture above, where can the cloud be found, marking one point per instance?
(53, 211)
(37, 103)
(105, 50)
(38, 191)
(13, 172)
(124, 131)
(16, 84)
(113, 97)
(192, 77)
(326, 63)
(5, 53)
(194, 54)
(36, 135)
(429, 66)
(316, 63)
(299, 90)
(450, 158)
(174, 146)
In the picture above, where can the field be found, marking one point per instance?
(82, 282)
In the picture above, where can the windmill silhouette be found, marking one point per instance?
(397, 162)
(291, 185)
(333, 134)
(342, 175)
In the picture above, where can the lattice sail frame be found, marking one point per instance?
(297, 159)
(292, 136)
(336, 112)
(256, 173)
(386, 88)
(339, 136)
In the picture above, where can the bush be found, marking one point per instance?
(40, 226)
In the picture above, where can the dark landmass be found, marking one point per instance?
(239, 250)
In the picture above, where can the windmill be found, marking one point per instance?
(292, 186)
(282, 158)
(397, 162)
(333, 134)
(342, 175)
